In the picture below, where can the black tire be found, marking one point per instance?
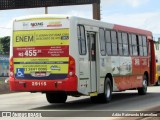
(158, 82)
(143, 89)
(56, 97)
(107, 95)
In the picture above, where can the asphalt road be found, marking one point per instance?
(121, 101)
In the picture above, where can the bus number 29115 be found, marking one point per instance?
(39, 83)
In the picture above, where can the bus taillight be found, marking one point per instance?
(71, 66)
(11, 67)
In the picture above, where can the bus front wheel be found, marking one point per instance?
(56, 97)
(105, 97)
(143, 89)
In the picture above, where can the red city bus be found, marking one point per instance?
(67, 55)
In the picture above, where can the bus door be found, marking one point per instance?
(91, 40)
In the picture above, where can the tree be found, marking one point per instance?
(5, 45)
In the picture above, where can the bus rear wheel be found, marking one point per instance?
(143, 89)
(59, 97)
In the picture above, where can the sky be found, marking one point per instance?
(144, 14)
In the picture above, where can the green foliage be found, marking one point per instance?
(5, 43)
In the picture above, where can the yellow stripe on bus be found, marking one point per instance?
(93, 94)
(40, 59)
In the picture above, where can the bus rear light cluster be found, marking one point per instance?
(11, 73)
(71, 73)
(71, 66)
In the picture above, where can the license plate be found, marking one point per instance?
(40, 74)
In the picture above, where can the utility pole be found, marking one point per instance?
(96, 11)
(46, 10)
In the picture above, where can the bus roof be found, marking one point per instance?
(132, 30)
(90, 22)
(41, 16)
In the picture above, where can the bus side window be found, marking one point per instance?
(134, 45)
(114, 43)
(81, 40)
(102, 42)
(140, 45)
(145, 51)
(125, 44)
(108, 42)
(120, 43)
(130, 44)
(157, 45)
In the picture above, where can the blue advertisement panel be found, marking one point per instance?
(4, 65)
